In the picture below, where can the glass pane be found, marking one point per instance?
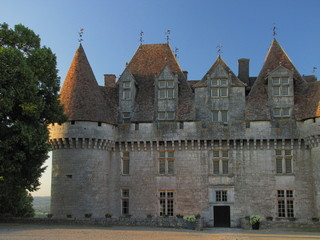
(170, 84)
(125, 206)
(126, 114)
(224, 196)
(284, 81)
(170, 167)
(281, 208)
(225, 167)
(224, 116)
(125, 154)
(215, 116)
(214, 82)
(216, 154)
(290, 212)
(288, 152)
(278, 152)
(225, 154)
(285, 112)
(170, 115)
(161, 116)
(162, 167)
(162, 207)
(215, 167)
(223, 82)
(276, 112)
(284, 90)
(279, 165)
(218, 196)
(126, 84)
(162, 84)
(170, 208)
(223, 92)
(162, 93)
(289, 194)
(162, 194)
(276, 91)
(126, 94)
(275, 81)
(125, 166)
(170, 154)
(170, 194)
(170, 93)
(162, 154)
(125, 193)
(214, 92)
(280, 193)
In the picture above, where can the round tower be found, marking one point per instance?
(81, 146)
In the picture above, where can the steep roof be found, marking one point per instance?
(81, 96)
(146, 64)
(257, 102)
(235, 82)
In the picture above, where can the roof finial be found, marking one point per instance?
(141, 39)
(314, 69)
(167, 33)
(176, 50)
(219, 51)
(80, 35)
(274, 30)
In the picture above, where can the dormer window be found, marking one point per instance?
(166, 115)
(126, 115)
(219, 87)
(126, 84)
(166, 89)
(126, 95)
(280, 86)
(281, 112)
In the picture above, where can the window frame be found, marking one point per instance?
(166, 202)
(284, 161)
(217, 88)
(285, 203)
(125, 158)
(166, 163)
(220, 161)
(125, 201)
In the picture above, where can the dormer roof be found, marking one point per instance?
(81, 96)
(221, 67)
(257, 102)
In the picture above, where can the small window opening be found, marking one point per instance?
(69, 176)
(181, 125)
(73, 122)
(99, 124)
(136, 126)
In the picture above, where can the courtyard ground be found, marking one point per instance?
(57, 232)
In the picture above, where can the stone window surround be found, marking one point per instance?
(285, 157)
(166, 163)
(125, 163)
(221, 196)
(166, 202)
(219, 88)
(220, 158)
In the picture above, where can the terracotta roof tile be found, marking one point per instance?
(80, 94)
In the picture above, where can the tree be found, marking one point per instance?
(29, 102)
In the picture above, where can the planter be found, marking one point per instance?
(191, 225)
(255, 226)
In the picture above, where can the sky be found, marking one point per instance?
(112, 33)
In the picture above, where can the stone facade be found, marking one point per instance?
(174, 146)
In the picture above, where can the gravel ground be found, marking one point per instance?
(56, 232)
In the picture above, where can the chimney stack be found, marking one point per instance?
(109, 80)
(243, 70)
(185, 74)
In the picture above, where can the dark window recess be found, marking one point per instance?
(69, 176)
(136, 126)
(181, 125)
(247, 124)
(99, 124)
(73, 122)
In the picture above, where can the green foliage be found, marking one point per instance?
(191, 218)
(29, 87)
(255, 219)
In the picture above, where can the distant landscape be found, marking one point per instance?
(41, 206)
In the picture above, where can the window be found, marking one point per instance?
(166, 115)
(166, 163)
(219, 87)
(221, 196)
(126, 84)
(166, 200)
(126, 114)
(125, 163)
(280, 86)
(285, 203)
(281, 112)
(126, 94)
(283, 161)
(166, 89)
(220, 162)
(125, 201)
(220, 116)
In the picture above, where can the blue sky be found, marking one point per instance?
(112, 27)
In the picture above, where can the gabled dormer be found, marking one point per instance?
(127, 86)
(166, 89)
(281, 92)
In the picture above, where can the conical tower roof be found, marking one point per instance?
(257, 101)
(81, 96)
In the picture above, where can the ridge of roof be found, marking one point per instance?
(257, 101)
(80, 94)
(235, 80)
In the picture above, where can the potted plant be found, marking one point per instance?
(191, 221)
(255, 221)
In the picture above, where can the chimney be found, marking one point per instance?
(109, 80)
(185, 73)
(243, 73)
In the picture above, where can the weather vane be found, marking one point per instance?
(176, 50)
(167, 33)
(274, 30)
(141, 39)
(219, 51)
(314, 69)
(80, 35)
